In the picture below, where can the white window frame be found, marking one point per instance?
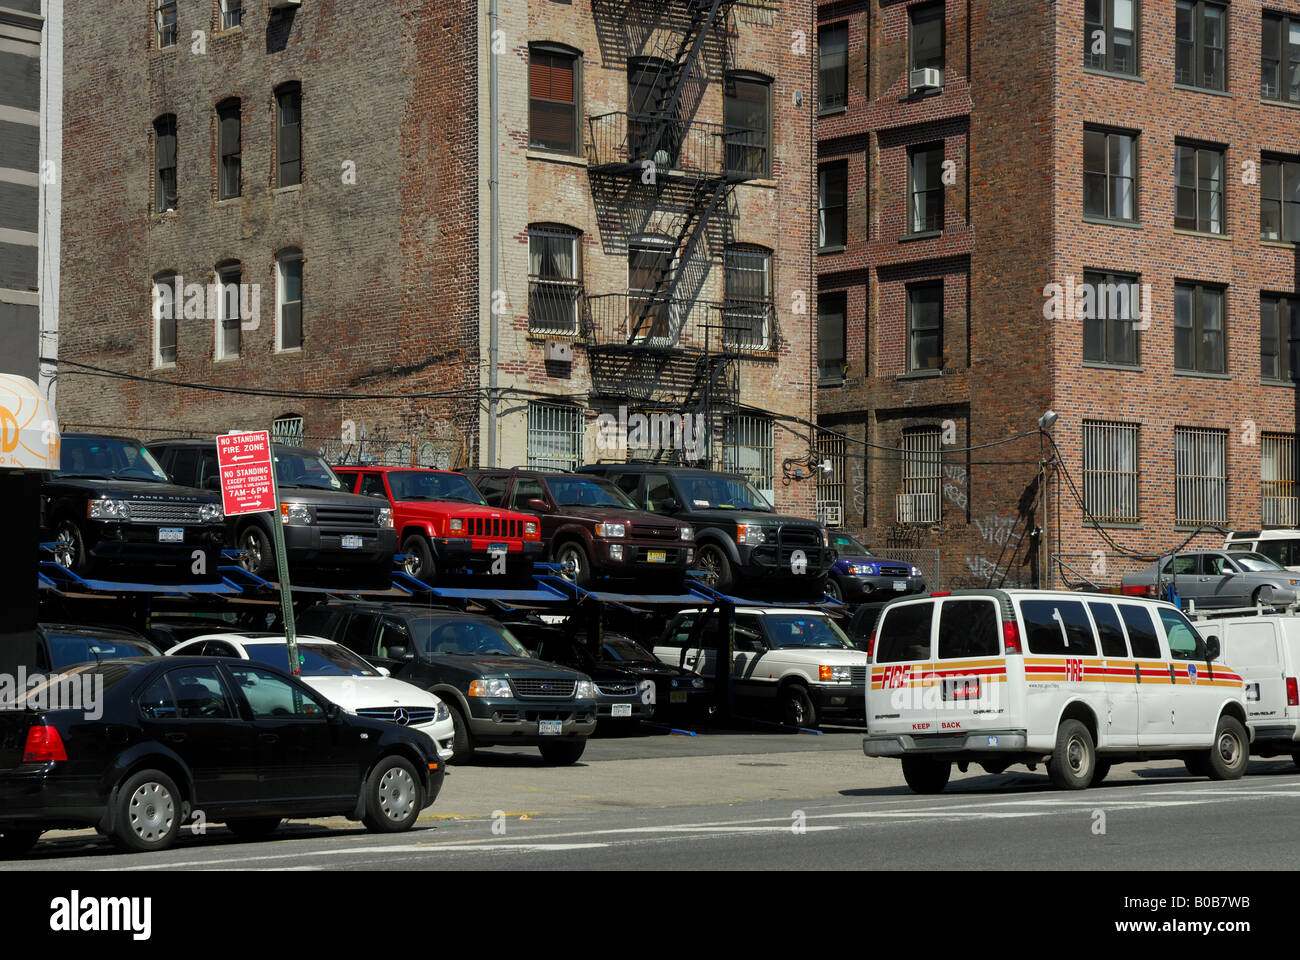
(165, 280)
(224, 300)
(1111, 487)
(159, 8)
(561, 422)
(232, 10)
(289, 430)
(281, 259)
(920, 500)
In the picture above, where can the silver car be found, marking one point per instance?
(1213, 578)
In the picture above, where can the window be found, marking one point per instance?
(649, 89)
(832, 311)
(925, 326)
(525, 489)
(1279, 327)
(650, 313)
(1198, 328)
(232, 14)
(288, 135)
(922, 476)
(1110, 471)
(554, 436)
(969, 628)
(1277, 480)
(925, 188)
(164, 152)
(288, 430)
(1199, 42)
(1109, 630)
(288, 301)
(1198, 202)
(554, 287)
(1279, 194)
(271, 696)
(1110, 35)
(199, 694)
(832, 205)
(904, 633)
(1141, 631)
(925, 37)
(1109, 175)
(832, 67)
(830, 486)
(1280, 58)
(748, 448)
(1108, 334)
(1184, 643)
(165, 18)
(747, 112)
(156, 702)
(1200, 475)
(1058, 628)
(165, 311)
(748, 305)
(228, 312)
(553, 85)
(228, 135)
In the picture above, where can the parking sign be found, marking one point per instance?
(247, 484)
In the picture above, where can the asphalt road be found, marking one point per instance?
(748, 801)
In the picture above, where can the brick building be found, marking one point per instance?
(1089, 207)
(648, 225)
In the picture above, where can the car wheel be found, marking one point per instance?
(69, 548)
(714, 559)
(14, 843)
(419, 561)
(259, 558)
(562, 752)
(1263, 595)
(1198, 765)
(573, 554)
(797, 707)
(925, 775)
(1075, 758)
(1231, 751)
(462, 740)
(834, 589)
(148, 814)
(1100, 770)
(394, 796)
(253, 828)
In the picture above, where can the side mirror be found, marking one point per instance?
(398, 651)
(332, 712)
(212, 483)
(668, 505)
(383, 671)
(1211, 649)
(538, 506)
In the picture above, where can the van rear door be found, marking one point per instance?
(1254, 649)
(902, 693)
(970, 669)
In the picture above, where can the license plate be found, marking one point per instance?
(498, 548)
(621, 710)
(171, 535)
(550, 728)
(961, 688)
(677, 696)
(351, 542)
(657, 556)
(993, 741)
(900, 586)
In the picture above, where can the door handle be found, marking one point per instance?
(176, 737)
(690, 659)
(270, 738)
(1137, 672)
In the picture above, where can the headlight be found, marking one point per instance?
(863, 569)
(826, 537)
(530, 528)
(443, 713)
(456, 525)
(688, 533)
(108, 510)
(832, 673)
(489, 688)
(386, 518)
(616, 551)
(586, 690)
(295, 513)
(750, 533)
(916, 571)
(209, 512)
(610, 529)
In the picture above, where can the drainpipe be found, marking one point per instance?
(494, 188)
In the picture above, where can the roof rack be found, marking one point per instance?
(1259, 609)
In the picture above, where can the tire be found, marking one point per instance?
(1198, 765)
(572, 552)
(797, 708)
(924, 775)
(833, 588)
(562, 752)
(1263, 595)
(1074, 761)
(419, 561)
(1100, 770)
(1228, 757)
(462, 740)
(148, 812)
(260, 559)
(15, 843)
(70, 548)
(394, 796)
(253, 828)
(710, 556)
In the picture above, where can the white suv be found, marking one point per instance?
(1280, 546)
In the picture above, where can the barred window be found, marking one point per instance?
(554, 285)
(748, 307)
(748, 448)
(1110, 471)
(1200, 475)
(1279, 326)
(830, 486)
(1277, 480)
(554, 436)
(288, 429)
(922, 476)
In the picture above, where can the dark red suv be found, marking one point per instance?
(590, 524)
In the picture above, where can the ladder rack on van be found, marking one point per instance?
(1259, 609)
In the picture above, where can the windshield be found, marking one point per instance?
(850, 545)
(719, 492)
(587, 492)
(316, 660)
(1256, 561)
(429, 485)
(786, 630)
(440, 636)
(108, 458)
(626, 650)
(304, 470)
(69, 648)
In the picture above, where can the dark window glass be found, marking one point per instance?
(1198, 190)
(290, 301)
(969, 628)
(228, 279)
(1110, 35)
(1279, 329)
(747, 114)
(288, 130)
(832, 66)
(1141, 630)
(649, 93)
(1200, 39)
(1280, 58)
(199, 694)
(1109, 630)
(831, 313)
(357, 637)
(1058, 627)
(1110, 175)
(926, 36)
(228, 134)
(157, 702)
(165, 197)
(1199, 334)
(1279, 198)
(552, 100)
(925, 188)
(748, 306)
(1111, 308)
(904, 634)
(832, 205)
(165, 21)
(925, 326)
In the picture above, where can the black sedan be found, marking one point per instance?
(192, 738)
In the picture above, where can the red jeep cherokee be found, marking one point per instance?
(445, 526)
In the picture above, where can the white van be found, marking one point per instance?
(1077, 681)
(1266, 650)
(1281, 546)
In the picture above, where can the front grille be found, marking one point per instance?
(349, 516)
(533, 716)
(618, 689)
(858, 674)
(151, 511)
(505, 527)
(648, 531)
(415, 716)
(545, 689)
(894, 571)
(801, 536)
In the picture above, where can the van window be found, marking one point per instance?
(1141, 630)
(1284, 552)
(1058, 627)
(679, 633)
(1182, 635)
(905, 633)
(1109, 630)
(968, 628)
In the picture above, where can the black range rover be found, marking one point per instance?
(113, 513)
(738, 535)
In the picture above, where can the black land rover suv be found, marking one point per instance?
(112, 513)
(738, 535)
(498, 693)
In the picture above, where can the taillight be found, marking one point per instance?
(1292, 698)
(44, 745)
(1010, 637)
(871, 643)
(942, 593)
(1141, 590)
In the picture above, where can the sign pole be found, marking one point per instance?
(282, 571)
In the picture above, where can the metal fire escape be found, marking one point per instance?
(662, 183)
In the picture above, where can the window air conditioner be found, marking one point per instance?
(927, 78)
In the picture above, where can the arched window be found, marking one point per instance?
(651, 314)
(166, 310)
(649, 88)
(230, 310)
(164, 154)
(230, 183)
(554, 97)
(288, 134)
(288, 300)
